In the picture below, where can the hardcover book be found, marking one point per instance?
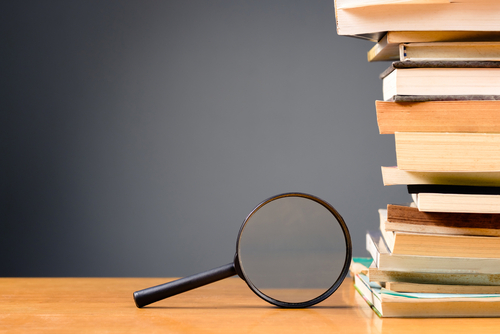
(441, 78)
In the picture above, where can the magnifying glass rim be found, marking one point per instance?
(335, 285)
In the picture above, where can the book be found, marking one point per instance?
(428, 98)
(386, 261)
(442, 288)
(438, 116)
(387, 303)
(360, 265)
(356, 18)
(448, 78)
(453, 198)
(439, 152)
(392, 175)
(387, 48)
(427, 244)
(459, 203)
(406, 243)
(445, 245)
(452, 189)
(450, 51)
(381, 275)
(407, 218)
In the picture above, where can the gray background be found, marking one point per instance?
(137, 135)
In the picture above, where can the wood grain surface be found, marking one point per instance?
(105, 305)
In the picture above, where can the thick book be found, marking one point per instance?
(392, 175)
(387, 48)
(444, 245)
(439, 152)
(372, 20)
(427, 244)
(450, 51)
(438, 116)
(387, 303)
(407, 218)
(386, 261)
(440, 78)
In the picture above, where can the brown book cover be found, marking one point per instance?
(408, 214)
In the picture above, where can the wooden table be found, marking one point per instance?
(105, 305)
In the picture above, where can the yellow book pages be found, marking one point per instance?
(438, 116)
(457, 203)
(395, 176)
(421, 151)
(372, 22)
(446, 245)
(450, 51)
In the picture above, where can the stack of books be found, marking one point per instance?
(438, 256)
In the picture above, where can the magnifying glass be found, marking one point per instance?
(293, 250)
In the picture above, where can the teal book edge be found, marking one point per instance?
(365, 261)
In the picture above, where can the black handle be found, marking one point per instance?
(159, 292)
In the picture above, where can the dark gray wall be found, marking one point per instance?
(137, 135)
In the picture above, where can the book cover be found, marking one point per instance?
(407, 218)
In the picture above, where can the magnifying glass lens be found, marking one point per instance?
(292, 250)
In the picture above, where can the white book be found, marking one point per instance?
(371, 19)
(441, 81)
(459, 203)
